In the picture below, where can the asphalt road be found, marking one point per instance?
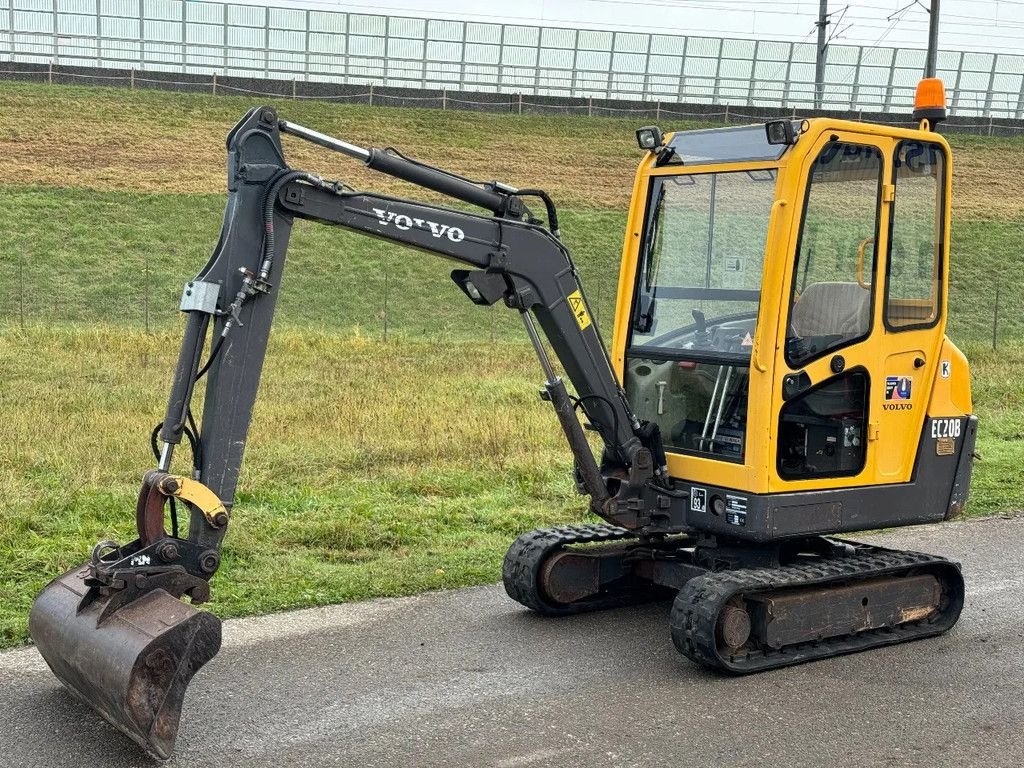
(468, 678)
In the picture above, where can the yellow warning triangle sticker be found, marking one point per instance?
(579, 309)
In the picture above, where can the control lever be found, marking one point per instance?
(702, 338)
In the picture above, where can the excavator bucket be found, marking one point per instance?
(131, 663)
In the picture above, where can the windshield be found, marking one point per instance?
(701, 261)
(695, 308)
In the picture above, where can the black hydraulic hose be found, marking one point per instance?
(268, 215)
(197, 446)
(193, 441)
(206, 366)
(578, 401)
(197, 452)
(549, 205)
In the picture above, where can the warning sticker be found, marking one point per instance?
(579, 309)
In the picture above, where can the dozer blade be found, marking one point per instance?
(132, 665)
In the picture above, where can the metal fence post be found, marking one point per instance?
(347, 44)
(371, 93)
(10, 24)
(184, 55)
(611, 67)
(444, 99)
(142, 36)
(536, 68)
(855, 91)
(575, 63)
(995, 319)
(305, 58)
(590, 106)
(133, 79)
(753, 75)
(520, 102)
(988, 93)
(423, 64)
(21, 291)
(387, 35)
(956, 86)
(647, 69)
(266, 42)
(785, 77)
(56, 38)
(462, 57)
(887, 105)
(681, 94)
(718, 74)
(224, 52)
(214, 83)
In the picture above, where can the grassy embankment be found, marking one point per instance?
(374, 467)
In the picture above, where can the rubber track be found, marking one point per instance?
(524, 563)
(697, 606)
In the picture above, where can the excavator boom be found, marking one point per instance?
(115, 629)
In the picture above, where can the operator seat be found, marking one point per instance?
(832, 309)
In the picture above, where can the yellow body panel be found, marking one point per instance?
(951, 394)
(893, 435)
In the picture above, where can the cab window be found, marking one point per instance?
(913, 274)
(831, 300)
(698, 290)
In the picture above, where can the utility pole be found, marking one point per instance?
(819, 66)
(933, 40)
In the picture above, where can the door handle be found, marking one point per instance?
(795, 383)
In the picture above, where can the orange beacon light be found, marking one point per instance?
(930, 100)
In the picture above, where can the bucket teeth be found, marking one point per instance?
(133, 666)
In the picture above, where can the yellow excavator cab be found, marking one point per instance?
(781, 316)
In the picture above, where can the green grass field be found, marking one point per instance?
(375, 467)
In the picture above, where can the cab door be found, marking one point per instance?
(829, 388)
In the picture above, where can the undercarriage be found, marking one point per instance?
(741, 609)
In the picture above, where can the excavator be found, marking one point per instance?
(779, 375)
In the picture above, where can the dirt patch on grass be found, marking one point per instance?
(136, 140)
(151, 141)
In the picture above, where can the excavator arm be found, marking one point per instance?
(127, 596)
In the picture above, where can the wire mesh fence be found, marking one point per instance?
(294, 44)
(130, 273)
(510, 103)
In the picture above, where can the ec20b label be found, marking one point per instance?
(946, 428)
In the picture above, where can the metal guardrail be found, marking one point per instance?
(208, 38)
